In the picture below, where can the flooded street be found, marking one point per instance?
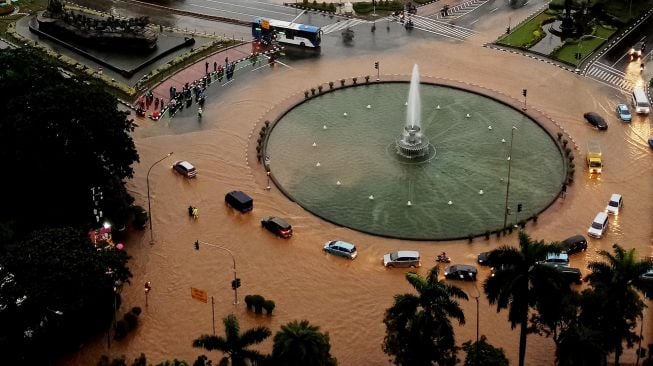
(348, 298)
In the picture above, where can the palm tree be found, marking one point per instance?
(234, 345)
(618, 278)
(300, 343)
(519, 282)
(418, 327)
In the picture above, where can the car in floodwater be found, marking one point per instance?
(595, 120)
(341, 248)
(402, 258)
(483, 259)
(277, 226)
(462, 272)
(624, 113)
(574, 244)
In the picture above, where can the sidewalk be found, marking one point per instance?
(198, 70)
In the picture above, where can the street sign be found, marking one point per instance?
(198, 294)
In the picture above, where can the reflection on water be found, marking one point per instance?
(346, 298)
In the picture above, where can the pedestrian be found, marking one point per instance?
(196, 213)
(206, 68)
(215, 66)
(171, 92)
(161, 103)
(226, 61)
(190, 210)
(563, 192)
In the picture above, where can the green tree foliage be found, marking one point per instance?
(68, 293)
(616, 280)
(62, 135)
(300, 343)
(484, 354)
(234, 344)
(418, 327)
(519, 282)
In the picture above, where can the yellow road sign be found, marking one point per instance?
(198, 294)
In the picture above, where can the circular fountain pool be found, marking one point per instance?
(335, 156)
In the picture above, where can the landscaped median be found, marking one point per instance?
(570, 32)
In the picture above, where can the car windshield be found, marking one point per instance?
(597, 225)
(595, 164)
(394, 256)
(642, 104)
(614, 204)
(623, 109)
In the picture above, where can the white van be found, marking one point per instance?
(599, 225)
(640, 101)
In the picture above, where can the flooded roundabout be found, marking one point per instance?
(340, 156)
(348, 298)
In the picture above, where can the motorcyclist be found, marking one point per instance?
(199, 112)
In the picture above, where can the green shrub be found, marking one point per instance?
(269, 306)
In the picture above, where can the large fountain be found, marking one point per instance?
(412, 144)
(335, 155)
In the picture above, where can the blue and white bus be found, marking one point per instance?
(303, 35)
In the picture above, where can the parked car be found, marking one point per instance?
(460, 272)
(599, 225)
(278, 226)
(402, 258)
(596, 120)
(574, 244)
(624, 113)
(341, 248)
(185, 168)
(614, 205)
(556, 259)
(484, 259)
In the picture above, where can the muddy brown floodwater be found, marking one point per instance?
(348, 298)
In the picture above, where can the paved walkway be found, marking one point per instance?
(198, 70)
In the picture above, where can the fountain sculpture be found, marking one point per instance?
(412, 144)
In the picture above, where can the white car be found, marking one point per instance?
(614, 205)
(599, 225)
(402, 258)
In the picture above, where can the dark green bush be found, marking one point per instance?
(269, 306)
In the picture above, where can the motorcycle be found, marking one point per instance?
(443, 259)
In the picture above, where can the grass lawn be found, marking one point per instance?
(25, 6)
(523, 36)
(588, 45)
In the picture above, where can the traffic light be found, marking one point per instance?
(376, 65)
(197, 245)
(524, 92)
(519, 206)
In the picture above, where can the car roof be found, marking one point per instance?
(622, 106)
(463, 267)
(408, 253)
(601, 216)
(574, 239)
(343, 244)
(593, 116)
(278, 220)
(185, 164)
(615, 197)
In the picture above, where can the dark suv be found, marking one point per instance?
(568, 274)
(277, 226)
(574, 244)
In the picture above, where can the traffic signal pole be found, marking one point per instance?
(236, 281)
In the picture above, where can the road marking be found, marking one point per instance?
(493, 10)
(474, 21)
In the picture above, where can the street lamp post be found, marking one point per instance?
(268, 187)
(478, 295)
(505, 210)
(149, 203)
(147, 288)
(235, 284)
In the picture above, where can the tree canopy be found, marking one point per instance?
(62, 135)
(66, 287)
